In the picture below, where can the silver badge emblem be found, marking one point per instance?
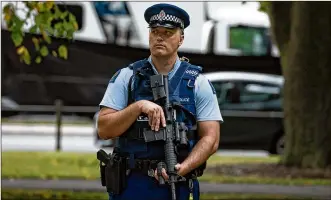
(162, 15)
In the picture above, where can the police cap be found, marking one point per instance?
(167, 15)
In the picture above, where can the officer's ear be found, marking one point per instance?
(181, 40)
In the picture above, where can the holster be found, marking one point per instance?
(113, 174)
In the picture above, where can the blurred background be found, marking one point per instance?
(49, 107)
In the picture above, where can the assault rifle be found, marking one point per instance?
(174, 134)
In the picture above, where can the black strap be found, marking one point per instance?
(137, 134)
(144, 164)
(130, 100)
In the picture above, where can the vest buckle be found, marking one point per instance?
(189, 83)
(150, 172)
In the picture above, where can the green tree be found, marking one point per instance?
(48, 21)
(302, 32)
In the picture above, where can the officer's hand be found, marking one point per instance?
(164, 174)
(179, 168)
(155, 114)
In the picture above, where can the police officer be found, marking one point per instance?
(129, 96)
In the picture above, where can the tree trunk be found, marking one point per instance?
(302, 31)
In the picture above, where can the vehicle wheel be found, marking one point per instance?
(278, 145)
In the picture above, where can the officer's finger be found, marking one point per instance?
(150, 117)
(157, 120)
(153, 119)
(155, 175)
(164, 174)
(163, 121)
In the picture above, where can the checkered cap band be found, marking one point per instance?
(168, 18)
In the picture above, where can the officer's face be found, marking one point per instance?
(164, 41)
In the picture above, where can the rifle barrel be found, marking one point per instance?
(173, 191)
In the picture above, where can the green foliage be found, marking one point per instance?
(48, 21)
(44, 51)
(63, 52)
(38, 59)
(264, 6)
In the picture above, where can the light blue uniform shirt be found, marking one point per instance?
(116, 95)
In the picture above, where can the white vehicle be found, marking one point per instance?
(236, 29)
(221, 28)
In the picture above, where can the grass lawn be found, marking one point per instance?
(65, 165)
(215, 159)
(63, 195)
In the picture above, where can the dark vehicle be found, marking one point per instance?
(251, 106)
(8, 105)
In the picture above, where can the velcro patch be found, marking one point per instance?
(192, 72)
(112, 80)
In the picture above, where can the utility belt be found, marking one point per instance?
(137, 134)
(114, 170)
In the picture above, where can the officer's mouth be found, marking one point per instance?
(159, 46)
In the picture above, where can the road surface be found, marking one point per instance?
(77, 138)
(322, 192)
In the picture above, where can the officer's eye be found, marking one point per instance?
(168, 33)
(154, 32)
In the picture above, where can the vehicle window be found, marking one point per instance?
(253, 41)
(227, 92)
(238, 95)
(221, 88)
(111, 8)
(259, 93)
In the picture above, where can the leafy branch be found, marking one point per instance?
(264, 6)
(47, 21)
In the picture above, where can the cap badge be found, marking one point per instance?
(162, 15)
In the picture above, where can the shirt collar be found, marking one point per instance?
(172, 72)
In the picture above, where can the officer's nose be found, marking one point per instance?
(159, 38)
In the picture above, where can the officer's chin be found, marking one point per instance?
(159, 53)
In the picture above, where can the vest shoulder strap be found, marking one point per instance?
(134, 66)
(192, 71)
(130, 99)
(185, 71)
(138, 64)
